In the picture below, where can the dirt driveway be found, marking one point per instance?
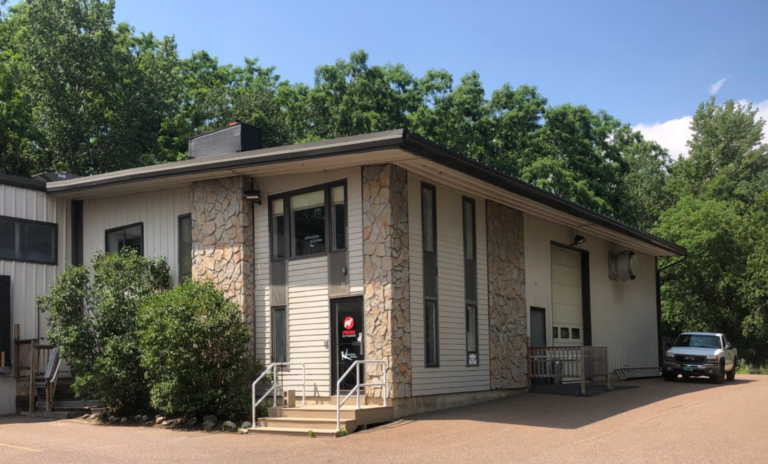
(657, 422)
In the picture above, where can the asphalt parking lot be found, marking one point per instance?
(656, 422)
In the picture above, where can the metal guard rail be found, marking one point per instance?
(356, 365)
(275, 383)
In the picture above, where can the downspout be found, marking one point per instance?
(658, 302)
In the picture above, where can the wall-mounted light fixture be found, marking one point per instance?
(578, 240)
(254, 195)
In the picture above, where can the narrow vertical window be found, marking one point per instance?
(278, 228)
(429, 243)
(430, 334)
(468, 206)
(185, 247)
(338, 218)
(428, 217)
(279, 335)
(470, 280)
(472, 352)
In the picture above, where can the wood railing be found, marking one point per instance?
(29, 355)
(569, 362)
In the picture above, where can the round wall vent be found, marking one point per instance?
(624, 266)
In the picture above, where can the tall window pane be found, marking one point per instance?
(279, 342)
(308, 216)
(39, 242)
(339, 212)
(430, 332)
(115, 241)
(428, 218)
(469, 230)
(278, 228)
(471, 335)
(8, 239)
(185, 247)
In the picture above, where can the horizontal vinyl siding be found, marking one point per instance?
(309, 323)
(261, 262)
(159, 211)
(29, 280)
(453, 375)
(308, 301)
(623, 313)
(355, 231)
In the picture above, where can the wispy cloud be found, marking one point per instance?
(674, 134)
(714, 88)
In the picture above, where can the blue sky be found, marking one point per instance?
(649, 63)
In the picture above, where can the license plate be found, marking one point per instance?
(687, 368)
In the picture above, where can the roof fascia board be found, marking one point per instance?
(347, 145)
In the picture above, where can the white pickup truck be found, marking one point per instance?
(700, 354)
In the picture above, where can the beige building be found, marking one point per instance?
(376, 247)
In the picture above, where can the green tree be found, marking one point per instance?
(194, 347)
(94, 322)
(98, 93)
(720, 205)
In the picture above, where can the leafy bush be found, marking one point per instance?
(93, 320)
(194, 349)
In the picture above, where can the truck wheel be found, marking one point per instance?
(720, 376)
(669, 377)
(731, 376)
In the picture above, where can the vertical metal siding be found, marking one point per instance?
(159, 211)
(29, 280)
(623, 313)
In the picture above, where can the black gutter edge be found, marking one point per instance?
(674, 263)
(22, 182)
(422, 147)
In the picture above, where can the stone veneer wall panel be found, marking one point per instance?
(222, 238)
(506, 292)
(386, 275)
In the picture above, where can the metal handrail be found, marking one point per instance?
(56, 372)
(273, 389)
(356, 365)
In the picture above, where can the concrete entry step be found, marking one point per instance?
(292, 432)
(322, 419)
(306, 424)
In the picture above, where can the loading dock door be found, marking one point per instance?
(567, 317)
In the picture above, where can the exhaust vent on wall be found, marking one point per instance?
(234, 138)
(623, 265)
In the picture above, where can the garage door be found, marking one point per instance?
(567, 319)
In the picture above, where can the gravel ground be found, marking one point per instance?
(656, 422)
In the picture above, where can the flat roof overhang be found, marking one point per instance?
(397, 146)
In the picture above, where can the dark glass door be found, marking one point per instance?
(538, 328)
(348, 328)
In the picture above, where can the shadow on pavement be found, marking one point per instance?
(568, 412)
